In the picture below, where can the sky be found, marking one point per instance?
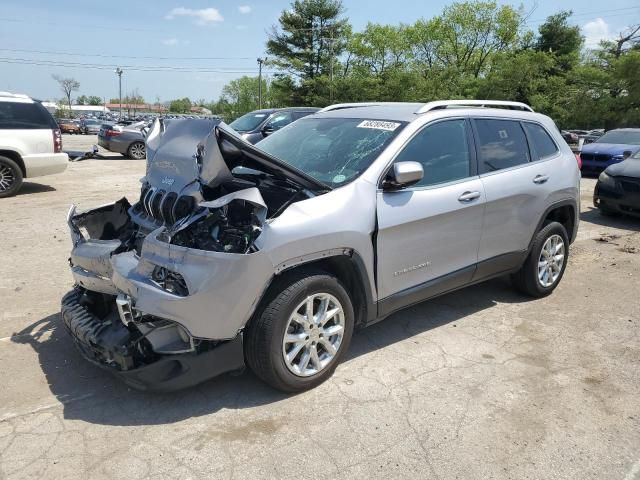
(221, 39)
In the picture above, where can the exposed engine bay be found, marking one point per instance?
(194, 194)
(205, 200)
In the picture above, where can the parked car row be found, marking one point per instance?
(572, 137)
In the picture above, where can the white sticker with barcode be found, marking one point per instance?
(379, 125)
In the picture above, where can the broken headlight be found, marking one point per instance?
(232, 229)
(230, 224)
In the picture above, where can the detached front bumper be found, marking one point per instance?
(109, 344)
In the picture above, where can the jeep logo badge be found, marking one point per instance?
(168, 181)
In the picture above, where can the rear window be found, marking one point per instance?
(25, 116)
(501, 144)
(541, 142)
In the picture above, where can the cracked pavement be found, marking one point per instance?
(482, 383)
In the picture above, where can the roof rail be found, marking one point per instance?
(342, 106)
(442, 104)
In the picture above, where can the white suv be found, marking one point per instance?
(30, 142)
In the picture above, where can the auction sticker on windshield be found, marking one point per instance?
(379, 125)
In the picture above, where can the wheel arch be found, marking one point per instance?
(564, 212)
(16, 157)
(348, 267)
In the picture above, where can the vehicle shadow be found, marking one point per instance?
(594, 216)
(29, 188)
(91, 394)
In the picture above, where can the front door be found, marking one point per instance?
(429, 233)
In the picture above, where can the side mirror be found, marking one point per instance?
(403, 174)
(267, 130)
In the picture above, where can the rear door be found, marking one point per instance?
(429, 233)
(517, 182)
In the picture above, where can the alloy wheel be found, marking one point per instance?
(551, 261)
(313, 335)
(137, 150)
(7, 178)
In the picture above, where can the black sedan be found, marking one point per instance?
(618, 188)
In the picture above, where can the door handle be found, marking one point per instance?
(539, 179)
(468, 196)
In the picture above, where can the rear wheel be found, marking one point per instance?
(136, 151)
(545, 265)
(302, 334)
(10, 177)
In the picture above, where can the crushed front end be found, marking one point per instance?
(164, 286)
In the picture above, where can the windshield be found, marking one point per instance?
(248, 122)
(620, 136)
(331, 150)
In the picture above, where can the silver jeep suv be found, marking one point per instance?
(271, 255)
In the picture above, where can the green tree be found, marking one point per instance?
(182, 105)
(94, 100)
(562, 40)
(240, 96)
(311, 34)
(468, 34)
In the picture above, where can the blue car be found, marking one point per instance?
(612, 147)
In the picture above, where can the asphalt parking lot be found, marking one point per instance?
(479, 384)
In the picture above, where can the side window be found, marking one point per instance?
(299, 115)
(443, 151)
(24, 116)
(540, 140)
(501, 144)
(278, 121)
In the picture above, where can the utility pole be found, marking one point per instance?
(260, 62)
(119, 72)
(331, 68)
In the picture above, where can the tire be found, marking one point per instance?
(137, 151)
(10, 177)
(605, 212)
(265, 346)
(530, 279)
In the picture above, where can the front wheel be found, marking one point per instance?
(301, 335)
(136, 151)
(10, 177)
(545, 265)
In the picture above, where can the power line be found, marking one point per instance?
(90, 26)
(141, 68)
(595, 12)
(50, 52)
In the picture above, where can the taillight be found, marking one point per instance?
(57, 140)
(579, 160)
(112, 133)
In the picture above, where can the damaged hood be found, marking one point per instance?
(182, 151)
(172, 162)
